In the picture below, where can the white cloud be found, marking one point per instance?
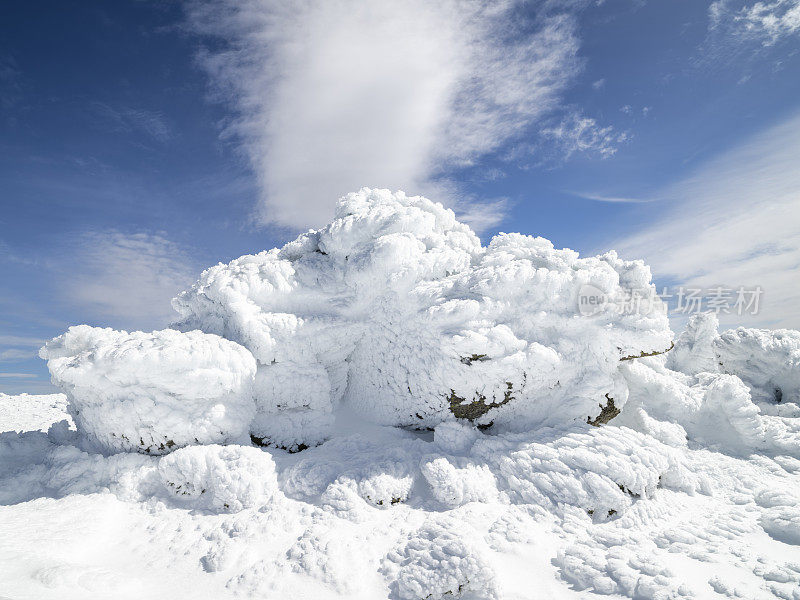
(15, 354)
(334, 95)
(735, 222)
(129, 280)
(579, 133)
(764, 22)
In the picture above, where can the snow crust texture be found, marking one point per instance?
(386, 409)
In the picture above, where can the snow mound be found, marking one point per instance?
(439, 564)
(454, 482)
(712, 409)
(153, 392)
(694, 350)
(396, 310)
(726, 391)
(220, 478)
(767, 361)
(601, 470)
(351, 474)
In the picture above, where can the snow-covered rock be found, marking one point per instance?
(712, 408)
(767, 361)
(153, 392)
(601, 470)
(220, 478)
(397, 310)
(437, 563)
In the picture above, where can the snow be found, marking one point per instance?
(384, 408)
(396, 310)
(151, 392)
(29, 412)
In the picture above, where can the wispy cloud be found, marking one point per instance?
(614, 199)
(577, 133)
(11, 88)
(332, 96)
(134, 120)
(128, 279)
(763, 22)
(17, 376)
(15, 354)
(734, 222)
(21, 340)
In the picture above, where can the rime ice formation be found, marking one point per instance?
(152, 392)
(719, 390)
(396, 310)
(768, 362)
(570, 455)
(220, 478)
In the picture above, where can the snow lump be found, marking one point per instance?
(153, 392)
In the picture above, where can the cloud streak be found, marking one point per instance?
(734, 222)
(127, 279)
(334, 95)
(577, 133)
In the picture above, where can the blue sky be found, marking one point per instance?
(142, 141)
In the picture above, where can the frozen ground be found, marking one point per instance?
(378, 512)
(384, 408)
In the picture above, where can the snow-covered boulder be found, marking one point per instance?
(767, 361)
(438, 564)
(153, 392)
(397, 310)
(712, 408)
(220, 478)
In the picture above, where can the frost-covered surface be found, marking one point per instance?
(28, 412)
(396, 310)
(767, 361)
(380, 512)
(437, 399)
(152, 392)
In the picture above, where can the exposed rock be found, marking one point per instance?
(607, 412)
(478, 407)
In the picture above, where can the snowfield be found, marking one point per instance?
(384, 408)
